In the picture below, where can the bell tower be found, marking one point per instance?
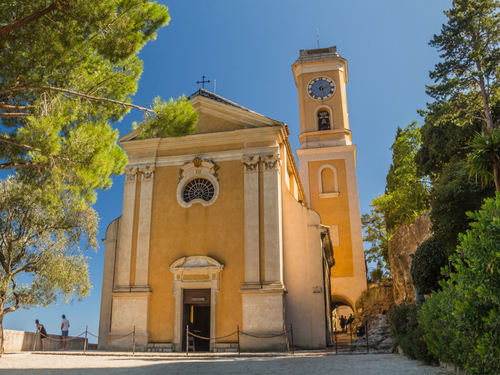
(327, 165)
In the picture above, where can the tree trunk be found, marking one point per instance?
(486, 101)
(496, 174)
(1, 334)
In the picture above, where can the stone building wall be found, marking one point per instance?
(405, 241)
(377, 299)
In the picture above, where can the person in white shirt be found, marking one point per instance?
(64, 331)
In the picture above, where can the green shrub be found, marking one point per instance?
(430, 257)
(477, 285)
(406, 331)
(441, 328)
(462, 322)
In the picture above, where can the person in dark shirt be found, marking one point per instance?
(342, 322)
(43, 333)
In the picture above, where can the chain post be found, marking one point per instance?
(238, 329)
(291, 331)
(336, 337)
(85, 341)
(133, 345)
(187, 340)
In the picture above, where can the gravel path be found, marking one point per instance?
(319, 364)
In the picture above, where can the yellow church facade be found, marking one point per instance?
(220, 231)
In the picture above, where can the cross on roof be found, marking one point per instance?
(203, 82)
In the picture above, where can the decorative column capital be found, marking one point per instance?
(271, 162)
(148, 172)
(131, 174)
(251, 163)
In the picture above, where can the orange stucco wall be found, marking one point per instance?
(334, 211)
(215, 231)
(337, 104)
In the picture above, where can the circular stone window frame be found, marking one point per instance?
(197, 168)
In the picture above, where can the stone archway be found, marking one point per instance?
(341, 305)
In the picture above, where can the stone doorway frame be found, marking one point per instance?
(195, 272)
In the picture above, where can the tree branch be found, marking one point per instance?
(89, 97)
(16, 305)
(474, 116)
(19, 165)
(31, 148)
(27, 20)
(16, 114)
(13, 107)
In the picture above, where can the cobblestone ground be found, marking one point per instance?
(317, 364)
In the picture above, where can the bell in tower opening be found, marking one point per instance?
(323, 120)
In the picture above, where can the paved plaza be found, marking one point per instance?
(317, 364)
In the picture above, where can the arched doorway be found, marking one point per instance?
(341, 307)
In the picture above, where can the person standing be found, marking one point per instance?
(349, 322)
(342, 322)
(64, 331)
(43, 333)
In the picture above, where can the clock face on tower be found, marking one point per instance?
(321, 88)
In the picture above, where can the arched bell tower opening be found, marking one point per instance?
(323, 119)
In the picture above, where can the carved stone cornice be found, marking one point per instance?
(251, 163)
(131, 174)
(197, 165)
(148, 172)
(271, 162)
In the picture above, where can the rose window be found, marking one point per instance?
(199, 188)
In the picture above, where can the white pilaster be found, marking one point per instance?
(252, 231)
(126, 229)
(273, 241)
(144, 228)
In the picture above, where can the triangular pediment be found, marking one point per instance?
(218, 114)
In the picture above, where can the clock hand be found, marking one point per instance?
(321, 89)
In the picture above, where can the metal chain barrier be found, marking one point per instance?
(211, 338)
(68, 339)
(112, 338)
(265, 336)
(239, 333)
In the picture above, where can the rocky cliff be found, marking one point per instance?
(405, 242)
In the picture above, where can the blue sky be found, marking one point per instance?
(247, 48)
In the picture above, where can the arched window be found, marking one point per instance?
(328, 181)
(323, 120)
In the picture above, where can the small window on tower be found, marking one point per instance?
(323, 120)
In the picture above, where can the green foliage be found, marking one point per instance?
(443, 143)
(467, 78)
(87, 48)
(375, 233)
(467, 82)
(429, 258)
(442, 328)
(484, 161)
(454, 195)
(172, 119)
(406, 195)
(42, 238)
(404, 327)
(462, 322)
